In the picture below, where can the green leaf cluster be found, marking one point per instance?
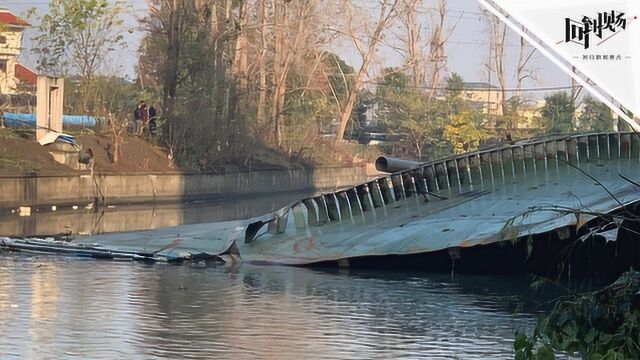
(443, 124)
(595, 116)
(604, 324)
(557, 114)
(465, 131)
(76, 35)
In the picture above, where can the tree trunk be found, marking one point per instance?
(262, 66)
(220, 85)
(499, 34)
(383, 19)
(436, 49)
(174, 8)
(414, 60)
(279, 16)
(284, 55)
(523, 60)
(240, 62)
(116, 150)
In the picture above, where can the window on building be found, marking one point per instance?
(3, 66)
(3, 39)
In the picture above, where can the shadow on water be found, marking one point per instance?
(83, 221)
(57, 307)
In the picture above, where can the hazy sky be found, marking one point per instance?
(122, 62)
(468, 48)
(467, 51)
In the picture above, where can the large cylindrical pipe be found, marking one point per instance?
(392, 165)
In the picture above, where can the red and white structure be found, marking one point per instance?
(12, 73)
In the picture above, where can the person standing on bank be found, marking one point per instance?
(136, 116)
(141, 115)
(153, 118)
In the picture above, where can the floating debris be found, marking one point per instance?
(95, 251)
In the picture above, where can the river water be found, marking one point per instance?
(56, 307)
(59, 308)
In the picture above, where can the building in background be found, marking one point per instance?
(14, 77)
(483, 96)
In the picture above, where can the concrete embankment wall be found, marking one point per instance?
(60, 190)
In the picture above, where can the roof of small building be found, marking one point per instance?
(8, 18)
(25, 75)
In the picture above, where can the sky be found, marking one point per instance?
(123, 62)
(467, 50)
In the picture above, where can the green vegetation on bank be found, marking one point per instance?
(604, 324)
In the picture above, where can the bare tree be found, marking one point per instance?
(498, 32)
(117, 127)
(76, 36)
(280, 64)
(522, 70)
(174, 31)
(575, 90)
(366, 49)
(241, 62)
(292, 38)
(438, 38)
(262, 64)
(414, 57)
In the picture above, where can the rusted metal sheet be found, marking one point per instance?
(472, 200)
(178, 241)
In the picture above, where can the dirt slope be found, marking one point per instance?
(20, 153)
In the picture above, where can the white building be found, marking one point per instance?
(12, 73)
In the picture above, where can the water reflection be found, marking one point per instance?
(45, 297)
(86, 309)
(85, 221)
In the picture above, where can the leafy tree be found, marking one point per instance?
(366, 50)
(408, 113)
(465, 131)
(557, 113)
(394, 83)
(339, 74)
(455, 84)
(422, 124)
(392, 95)
(76, 37)
(338, 81)
(596, 116)
(464, 127)
(111, 95)
(507, 123)
(604, 324)
(366, 101)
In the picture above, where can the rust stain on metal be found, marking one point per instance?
(474, 199)
(524, 189)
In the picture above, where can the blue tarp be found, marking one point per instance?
(15, 120)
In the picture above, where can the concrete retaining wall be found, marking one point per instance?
(40, 190)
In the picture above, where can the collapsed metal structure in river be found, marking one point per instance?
(512, 207)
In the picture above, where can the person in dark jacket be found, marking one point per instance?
(141, 115)
(153, 118)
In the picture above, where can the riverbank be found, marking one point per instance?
(32, 175)
(20, 154)
(79, 189)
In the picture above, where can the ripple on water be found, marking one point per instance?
(68, 308)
